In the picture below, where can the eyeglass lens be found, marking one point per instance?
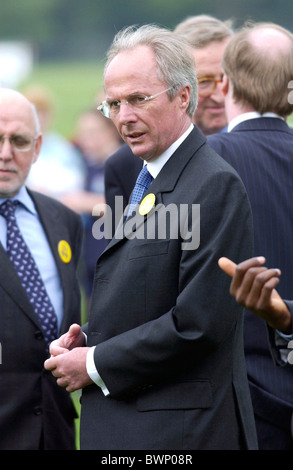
(18, 142)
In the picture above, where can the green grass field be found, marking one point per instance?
(74, 87)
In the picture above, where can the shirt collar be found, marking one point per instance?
(251, 115)
(155, 166)
(24, 198)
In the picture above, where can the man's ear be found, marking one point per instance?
(185, 96)
(225, 85)
(38, 146)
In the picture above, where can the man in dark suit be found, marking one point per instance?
(253, 286)
(163, 365)
(34, 412)
(208, 38)
(259, 146)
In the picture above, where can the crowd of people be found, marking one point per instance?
(186, 343)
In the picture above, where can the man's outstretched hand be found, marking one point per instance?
(253, 286)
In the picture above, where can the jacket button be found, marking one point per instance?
(37, 410)
(39, 335)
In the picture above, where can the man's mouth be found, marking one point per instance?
(6, 171)
(134, 136)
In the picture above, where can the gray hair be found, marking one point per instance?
(176, 66)
(201, 30)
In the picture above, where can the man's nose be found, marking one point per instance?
(6, 149)
(218, 94)
(127, 113)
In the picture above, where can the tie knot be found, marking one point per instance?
(144, 177)
(7, 209)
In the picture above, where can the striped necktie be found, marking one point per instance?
(28, 273)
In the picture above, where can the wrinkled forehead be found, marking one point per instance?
(131, 71)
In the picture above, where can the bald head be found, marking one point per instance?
(270, 41)
(12, 102)
(20, 141)
(253, 60)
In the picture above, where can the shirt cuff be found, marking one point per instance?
(282, 341)
(285, 337)
(93, 373)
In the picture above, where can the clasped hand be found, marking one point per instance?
(68, 360)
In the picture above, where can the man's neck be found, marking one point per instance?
(234, 110)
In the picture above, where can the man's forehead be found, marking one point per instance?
(16, 118)
(130, 72)
(133, 62)
(210, 56)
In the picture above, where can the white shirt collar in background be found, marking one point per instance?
(252, 115)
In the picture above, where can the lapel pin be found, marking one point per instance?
(64, 251)
(147, 204)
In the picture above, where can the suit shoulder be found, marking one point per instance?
(219, 140)
(121, 156)
(52, 203)
(215, 161)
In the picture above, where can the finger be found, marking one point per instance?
(242, 284)
(50, 364)
(62, 382)
(227, 265)
(267, 282)
(74, 329)
(245, 272)
(252, 291)
(56, 350)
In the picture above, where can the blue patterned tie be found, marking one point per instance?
(28, 272)
(143, 181)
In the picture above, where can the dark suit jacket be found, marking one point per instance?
(31, 403)
(261, 150)
(168, 334)
(121, 170)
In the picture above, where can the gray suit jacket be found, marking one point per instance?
(168, 334)
(32, 406)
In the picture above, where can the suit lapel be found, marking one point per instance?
(10, 282)
(50, 219)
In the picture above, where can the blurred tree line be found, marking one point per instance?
(84, 28)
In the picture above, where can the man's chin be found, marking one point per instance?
(7, 190)
(138, 150)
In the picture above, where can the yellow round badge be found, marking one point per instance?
(146, 204)
(64, 251)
